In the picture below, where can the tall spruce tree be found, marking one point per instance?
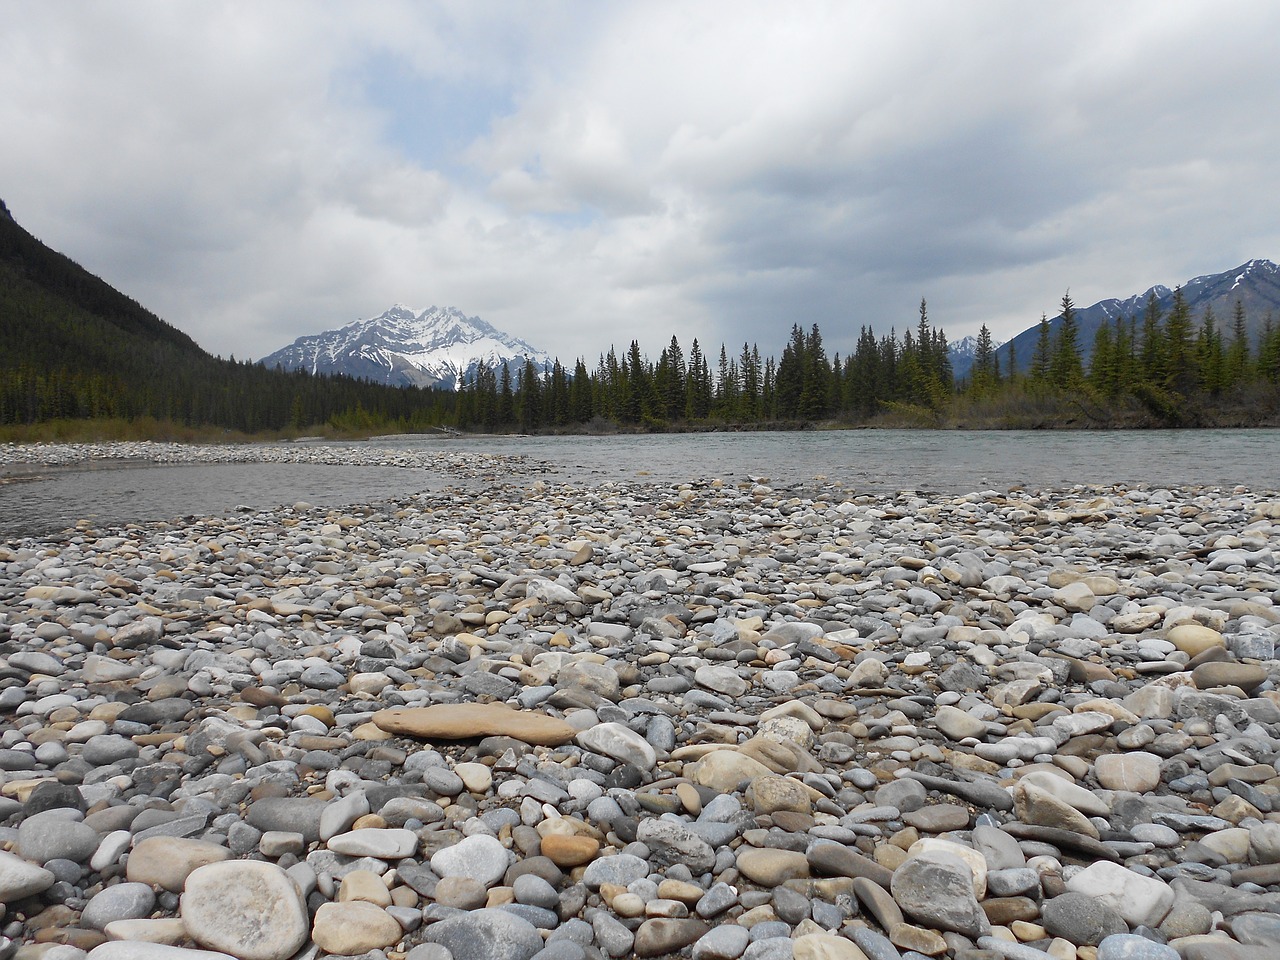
(1065, 369)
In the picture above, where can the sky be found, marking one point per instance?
(581, 174)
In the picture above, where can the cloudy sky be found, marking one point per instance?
(584, 173)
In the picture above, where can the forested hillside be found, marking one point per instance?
(72, 347)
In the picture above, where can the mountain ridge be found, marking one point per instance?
(438, 346)
(1255, 283)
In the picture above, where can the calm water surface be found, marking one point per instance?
(859, 461)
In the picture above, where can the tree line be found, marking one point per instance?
(1165, 368)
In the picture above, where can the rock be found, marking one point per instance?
(121, 901)
(1081, 919)
(461, 721)
(1224, 673)
(824, 946)
(660, 936)
(1036, 806)
(355, 927)
(1137, 771)
(569, 851)
(936, 889)
(724, 770)
(769, 867)
(725, 942)
(671, 843)
(722, 680)
(621, 743)
(136, 950)
(168, 861)
(1140, 900)
(1124, 946)
(20, 879)
(770, 794)
(958, 724)
(52, 835)
(245, 907)
(489, 934)
(385, 844)
(1194, 639)
(620, 870)
(481, 858)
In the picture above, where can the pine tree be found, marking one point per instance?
(1179, 373)
(580, 400)
(1042, 357)
(1151, 348)
(1236, 366)
(1065, 368)
(1210, 357)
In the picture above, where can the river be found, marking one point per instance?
(855, 461)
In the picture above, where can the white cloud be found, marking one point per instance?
(584, 174)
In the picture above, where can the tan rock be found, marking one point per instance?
(770, 867)
(569, 851)
(769, 794)
(353, 928)
(168, 861)
(364, 885)
(723, 770)
(1194, 638)
(826, 946)
(1035, 805)
(461, 721)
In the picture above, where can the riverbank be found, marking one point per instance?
(513, 718)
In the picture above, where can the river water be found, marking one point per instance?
(862, 461)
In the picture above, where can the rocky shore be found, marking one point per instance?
(509, 719)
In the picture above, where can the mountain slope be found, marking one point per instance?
(436, 347)
(1255, 284)
(28, 260)
(74, 348)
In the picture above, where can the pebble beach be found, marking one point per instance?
(511, 718)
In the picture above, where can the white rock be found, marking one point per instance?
(1139, 899)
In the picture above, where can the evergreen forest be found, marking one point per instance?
(1153, 370)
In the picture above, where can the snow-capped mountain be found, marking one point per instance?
(963, 352)
(401, 347)
(1255, 284)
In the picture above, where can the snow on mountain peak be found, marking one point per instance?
(403, 346)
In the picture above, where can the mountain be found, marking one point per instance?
(963, 352)
(1255, 284)
(28, 268)
(437, 347)
(74, 348)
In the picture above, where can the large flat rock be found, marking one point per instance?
(461, 721)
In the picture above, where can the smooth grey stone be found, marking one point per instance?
(122, 901)
(670, 843)
(725, 942)
(937, 891)
(487, 934)
(621, 869)
(536, 891)
(52, 835)
(875, 944)
(716, 901)
(1080, 918)
(614, 938)
(1124, 946)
